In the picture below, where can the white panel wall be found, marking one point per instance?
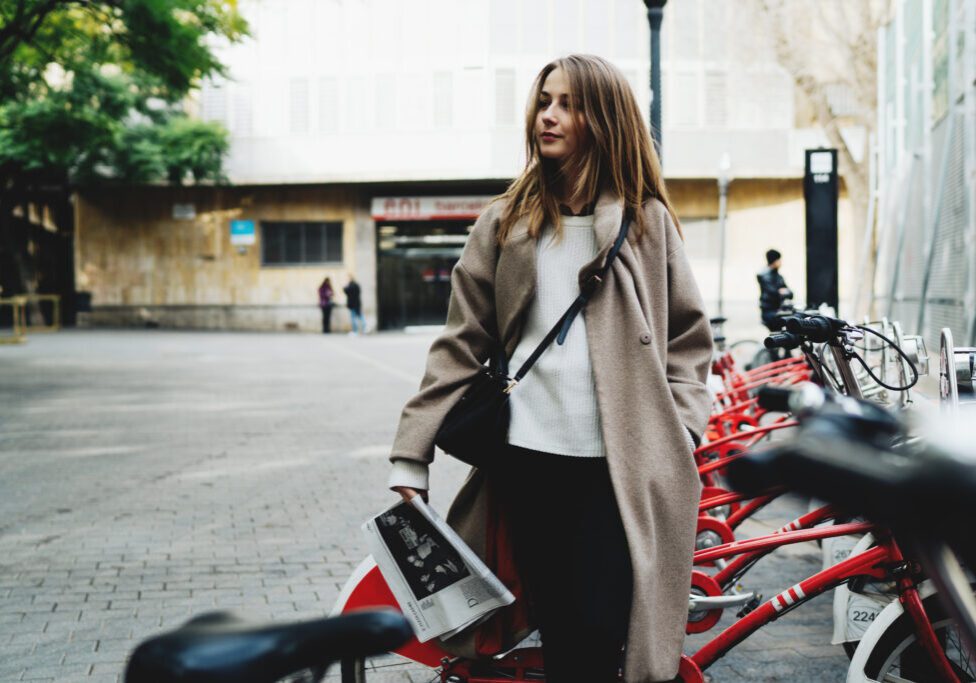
(347, 90)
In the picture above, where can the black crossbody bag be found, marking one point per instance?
(476, 428)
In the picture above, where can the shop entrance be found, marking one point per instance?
(414, 266)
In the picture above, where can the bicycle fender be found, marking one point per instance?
(887, 616)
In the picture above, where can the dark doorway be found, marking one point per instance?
(414, 270)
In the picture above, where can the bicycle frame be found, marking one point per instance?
(782, 536)
(876, 563)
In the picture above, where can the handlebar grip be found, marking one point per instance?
(816, 328)
(756, 471)
(776, 399)
(830, 468)
(782, 340)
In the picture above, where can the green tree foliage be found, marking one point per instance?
(92, 91)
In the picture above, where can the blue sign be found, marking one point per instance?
(242, 232)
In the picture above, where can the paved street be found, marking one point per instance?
(146, 476)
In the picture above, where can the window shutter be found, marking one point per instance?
(328, 104)
(298, 105)
(716, 99)
(443, 99)
(505, 97)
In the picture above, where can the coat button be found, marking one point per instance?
(645, 338)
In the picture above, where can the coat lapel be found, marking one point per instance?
(515, 284)
(606, 224)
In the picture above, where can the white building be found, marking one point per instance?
(382, 100)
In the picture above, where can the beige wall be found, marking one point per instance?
(140, 263)
(762, 214)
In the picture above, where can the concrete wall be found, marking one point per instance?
(142, 265)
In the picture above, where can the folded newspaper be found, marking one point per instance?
(438, 581)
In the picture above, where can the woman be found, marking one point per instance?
(325, 303)
(599, 480)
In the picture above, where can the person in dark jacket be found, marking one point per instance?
(325, 303)
(354, 303)
(773, 291)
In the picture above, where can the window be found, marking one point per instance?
(286, 243)
(328, 104)
(684, 100)
(716, 99)
(298, 109)
(505, 97)
(443, 99)
(243, 117)
(386, 98)
(213, 102)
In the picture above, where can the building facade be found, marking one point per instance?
(367, 134)
(925, 245)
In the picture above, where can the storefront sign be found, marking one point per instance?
(427, 208)
(242, 232)
(184, 212)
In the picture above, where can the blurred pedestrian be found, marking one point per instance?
(596, 487)
(354, 303)
(325, 303)
(773, 292)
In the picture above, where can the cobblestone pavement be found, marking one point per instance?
(146, 476)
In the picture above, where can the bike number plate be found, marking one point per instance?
(861, 612)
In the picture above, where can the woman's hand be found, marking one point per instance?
(407, 493)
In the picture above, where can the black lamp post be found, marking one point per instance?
(655, 14)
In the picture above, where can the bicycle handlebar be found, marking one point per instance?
(221, 647)
(782, 340)
(817, 328)
(844, 454)
(931, 495)
(775, 399)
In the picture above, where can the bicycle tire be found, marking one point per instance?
(744, 349)
(899, 642)
(353, 670)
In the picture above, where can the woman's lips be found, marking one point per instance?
(549, 137)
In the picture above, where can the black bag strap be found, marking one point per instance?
(561, 328)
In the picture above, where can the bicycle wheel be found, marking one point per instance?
(744, 350)
(353, 670)
(899, 657)
(386, 667)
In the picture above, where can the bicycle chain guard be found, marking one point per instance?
(704, 585)
(711, 532)
(722, 511)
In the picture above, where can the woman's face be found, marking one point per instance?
(558, 124)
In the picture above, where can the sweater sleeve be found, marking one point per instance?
(689, 340)
(455, 356)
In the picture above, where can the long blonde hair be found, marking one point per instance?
(614, 153)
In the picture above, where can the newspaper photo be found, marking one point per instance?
(441, 585)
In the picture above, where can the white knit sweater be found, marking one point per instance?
(554, 408)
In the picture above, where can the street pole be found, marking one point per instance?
(723, 193)
(655, 15)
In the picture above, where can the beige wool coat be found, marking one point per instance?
(650, 346)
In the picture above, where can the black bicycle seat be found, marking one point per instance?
(219, 647)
